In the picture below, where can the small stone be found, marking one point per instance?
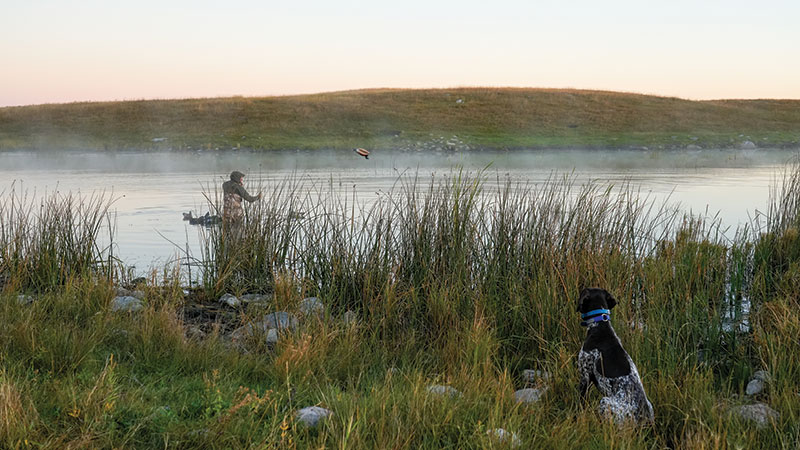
(754, 387)
(23, 299)
(350, 318)
(438, 389)
(230, 300)
(762, 375)
(504, 436)
(747, 145)
(759, 413)
(126, 304)
(312, 415)
(252, 329)
(529, 395)
(693, 147)
(758, 383)
(281, 320)
(311, 306)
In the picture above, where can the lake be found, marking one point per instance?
(152, 189)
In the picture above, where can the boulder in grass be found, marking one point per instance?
(230, 300)
(759, 413)
(505, 437)
(126, 304)
(280, 320)
(438, 389)
(747, 145)
(312, 415)
(311, 306)
(757, 384)
(529, 395)
(24, 299)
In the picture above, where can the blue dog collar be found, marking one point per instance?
(594, 313)
(597, 315)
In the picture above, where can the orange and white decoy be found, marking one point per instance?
(362, 152)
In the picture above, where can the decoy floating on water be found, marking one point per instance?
(206, 220)
(362, 152)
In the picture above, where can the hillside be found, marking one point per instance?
(406, 119)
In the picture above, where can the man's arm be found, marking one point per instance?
(245, 195)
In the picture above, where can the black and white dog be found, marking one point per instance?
(604, 362)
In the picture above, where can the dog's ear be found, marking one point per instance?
(610, 300)
(582, 297)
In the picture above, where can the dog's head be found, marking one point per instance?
(595, 298)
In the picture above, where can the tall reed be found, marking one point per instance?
(46, 240)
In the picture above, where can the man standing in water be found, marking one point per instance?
(233, 192)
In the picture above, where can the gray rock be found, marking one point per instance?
(281, 320)
(438, 389)
(529, 395)
(759, 413)
(312, 415)
(754, 387)
(350, 318)
(758, 383)
(505, 437)
(747, 145)
(250, 330)
(693, 147)
(311, 306)
(230, 300)
(24, 299)
(126, 304)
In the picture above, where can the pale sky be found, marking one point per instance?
(64, 51)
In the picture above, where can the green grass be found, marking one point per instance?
(453, 283)
(485, 118)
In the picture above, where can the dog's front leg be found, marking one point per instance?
(584, 370)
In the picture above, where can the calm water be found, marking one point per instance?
(152, 189)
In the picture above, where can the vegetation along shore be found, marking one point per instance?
(442, 316)
(441, 119)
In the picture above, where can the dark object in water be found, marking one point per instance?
(362, 152)
(206, 220)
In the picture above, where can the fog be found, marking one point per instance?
(151, 189)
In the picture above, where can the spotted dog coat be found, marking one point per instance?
(603, 362)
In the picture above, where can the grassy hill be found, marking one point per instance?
(422, 119)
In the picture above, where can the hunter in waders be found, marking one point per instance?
(232, 212)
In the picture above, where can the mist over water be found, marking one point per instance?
(152, 189)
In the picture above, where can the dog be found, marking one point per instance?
(603, 362)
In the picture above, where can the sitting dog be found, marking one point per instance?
(603, 362)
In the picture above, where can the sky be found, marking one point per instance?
(66, 51)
